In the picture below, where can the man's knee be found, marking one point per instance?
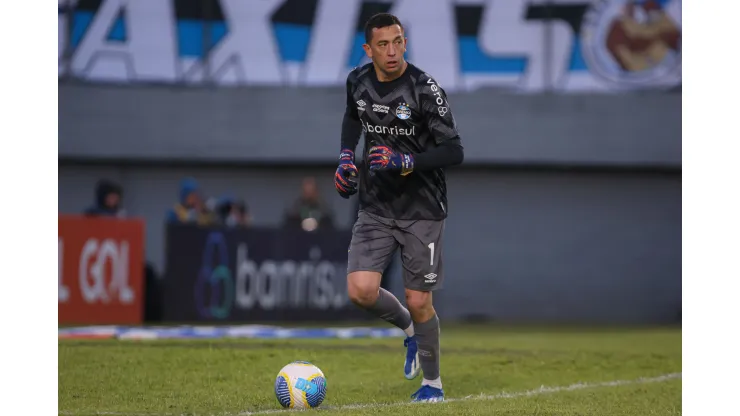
(420, 305)
(362, 287)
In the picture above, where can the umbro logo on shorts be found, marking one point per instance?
(430, 278)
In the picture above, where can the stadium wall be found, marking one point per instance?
(302, 125)
(520, 245)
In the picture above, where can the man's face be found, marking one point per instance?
(309, 189)
(386, 48)
(193, 200)
(112, 200)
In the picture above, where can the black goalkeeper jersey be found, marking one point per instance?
(410, 115)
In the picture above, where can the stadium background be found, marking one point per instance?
(567, 208)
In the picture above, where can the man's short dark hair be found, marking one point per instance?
(380, 20)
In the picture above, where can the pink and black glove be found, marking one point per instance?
(384, 158)
(345, 178)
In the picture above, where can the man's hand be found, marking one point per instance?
(345, 178)
(384, 158)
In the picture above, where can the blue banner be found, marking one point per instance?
(563, 45)
(256, 275)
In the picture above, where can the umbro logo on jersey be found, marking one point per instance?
(361, 105)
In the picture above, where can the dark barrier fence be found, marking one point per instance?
(257, 275)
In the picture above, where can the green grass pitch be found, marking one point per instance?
(486, 370)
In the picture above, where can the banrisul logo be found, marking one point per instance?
(394, 130)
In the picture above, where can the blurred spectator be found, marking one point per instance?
(309, 211)
(108, 200)
(233, 212)
(109, 203)
(191, 209)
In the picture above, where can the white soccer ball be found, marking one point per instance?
(300, 385)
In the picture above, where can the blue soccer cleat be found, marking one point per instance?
(428, 394)
(411, 368)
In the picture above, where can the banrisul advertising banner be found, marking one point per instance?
(256, 275)
(522, 45)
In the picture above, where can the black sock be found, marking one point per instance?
(389, 309)
(427, 339)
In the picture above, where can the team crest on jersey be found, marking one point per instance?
(403, 112)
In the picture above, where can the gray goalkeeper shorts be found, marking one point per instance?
(375, 240)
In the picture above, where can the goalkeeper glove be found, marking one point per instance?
(385, 158)
(345, 178)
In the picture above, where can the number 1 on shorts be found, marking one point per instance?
(431, 257)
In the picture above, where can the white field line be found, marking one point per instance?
(504, 395)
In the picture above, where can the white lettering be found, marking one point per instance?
(148, 52)
(333, 30)
(439, 100)
(90, 292)
(120, 281)
(292, 282)
(378, 108)
(324, 297)
(268, 285)
(433, 34)
(395, 130)
(505, 21)
(246, 269)
(286, 284)
(305, 276)
(248, 53)
(93, 261)
(63, 291)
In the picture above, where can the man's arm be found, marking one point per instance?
(448, 153)
(345, 178)
(351, 124)
(441, 124)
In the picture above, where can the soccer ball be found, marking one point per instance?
(300, 385)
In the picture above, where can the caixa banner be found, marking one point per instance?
(256, 275)
(523, 45)
(101, 263)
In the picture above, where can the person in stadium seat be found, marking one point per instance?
(309, 211)
(191, 208)
(108, 200)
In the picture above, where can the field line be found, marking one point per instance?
(499, 396)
